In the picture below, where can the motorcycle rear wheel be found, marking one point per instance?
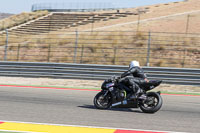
(152, 104)
(101, 101)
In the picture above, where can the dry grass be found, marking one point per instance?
(176, 24)
(106, 48)
(21, 18)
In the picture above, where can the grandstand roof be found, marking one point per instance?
(72, 6)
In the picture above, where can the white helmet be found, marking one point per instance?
(134, 64)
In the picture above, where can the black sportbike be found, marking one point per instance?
(115, 94)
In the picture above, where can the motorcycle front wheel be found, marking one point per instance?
(152, 103)
(102, 100)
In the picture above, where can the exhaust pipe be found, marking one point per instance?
(119, 103)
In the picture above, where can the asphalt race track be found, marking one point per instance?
(75, 107)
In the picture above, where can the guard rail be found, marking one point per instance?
(180, 76)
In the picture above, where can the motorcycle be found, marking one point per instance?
(115, 94)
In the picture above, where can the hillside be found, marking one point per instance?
(170, 17)
(20, 19)
(115, 40)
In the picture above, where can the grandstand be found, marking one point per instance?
(71, 16)
(84, 16)
(61, 20)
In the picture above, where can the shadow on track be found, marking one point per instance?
(111, 109)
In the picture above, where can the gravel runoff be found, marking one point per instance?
(86, 84)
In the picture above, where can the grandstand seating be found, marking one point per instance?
(62, 20)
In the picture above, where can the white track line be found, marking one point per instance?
(10, 131)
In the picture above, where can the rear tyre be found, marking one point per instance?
(101, 101)
(152, 103)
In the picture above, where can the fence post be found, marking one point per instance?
(148, 49)
(18, 52)
(49, 51)
(92, 23)
(82, 54)
(6, 46)
(115, 53)
(183, 62)
(75, 48)
(187, 24)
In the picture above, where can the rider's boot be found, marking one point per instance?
(140, 95)
(138, 91)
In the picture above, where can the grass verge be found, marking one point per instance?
(47, 86)
(181, 93)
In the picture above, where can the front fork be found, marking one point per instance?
(106, 92)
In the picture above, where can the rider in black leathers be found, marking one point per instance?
(137, 79)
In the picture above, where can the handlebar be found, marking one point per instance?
(115, 78)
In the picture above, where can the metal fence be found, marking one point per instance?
(95, 72)
(104, 47)
(73, 7)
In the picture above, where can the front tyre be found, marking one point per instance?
(152, 103)
(102, 100)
